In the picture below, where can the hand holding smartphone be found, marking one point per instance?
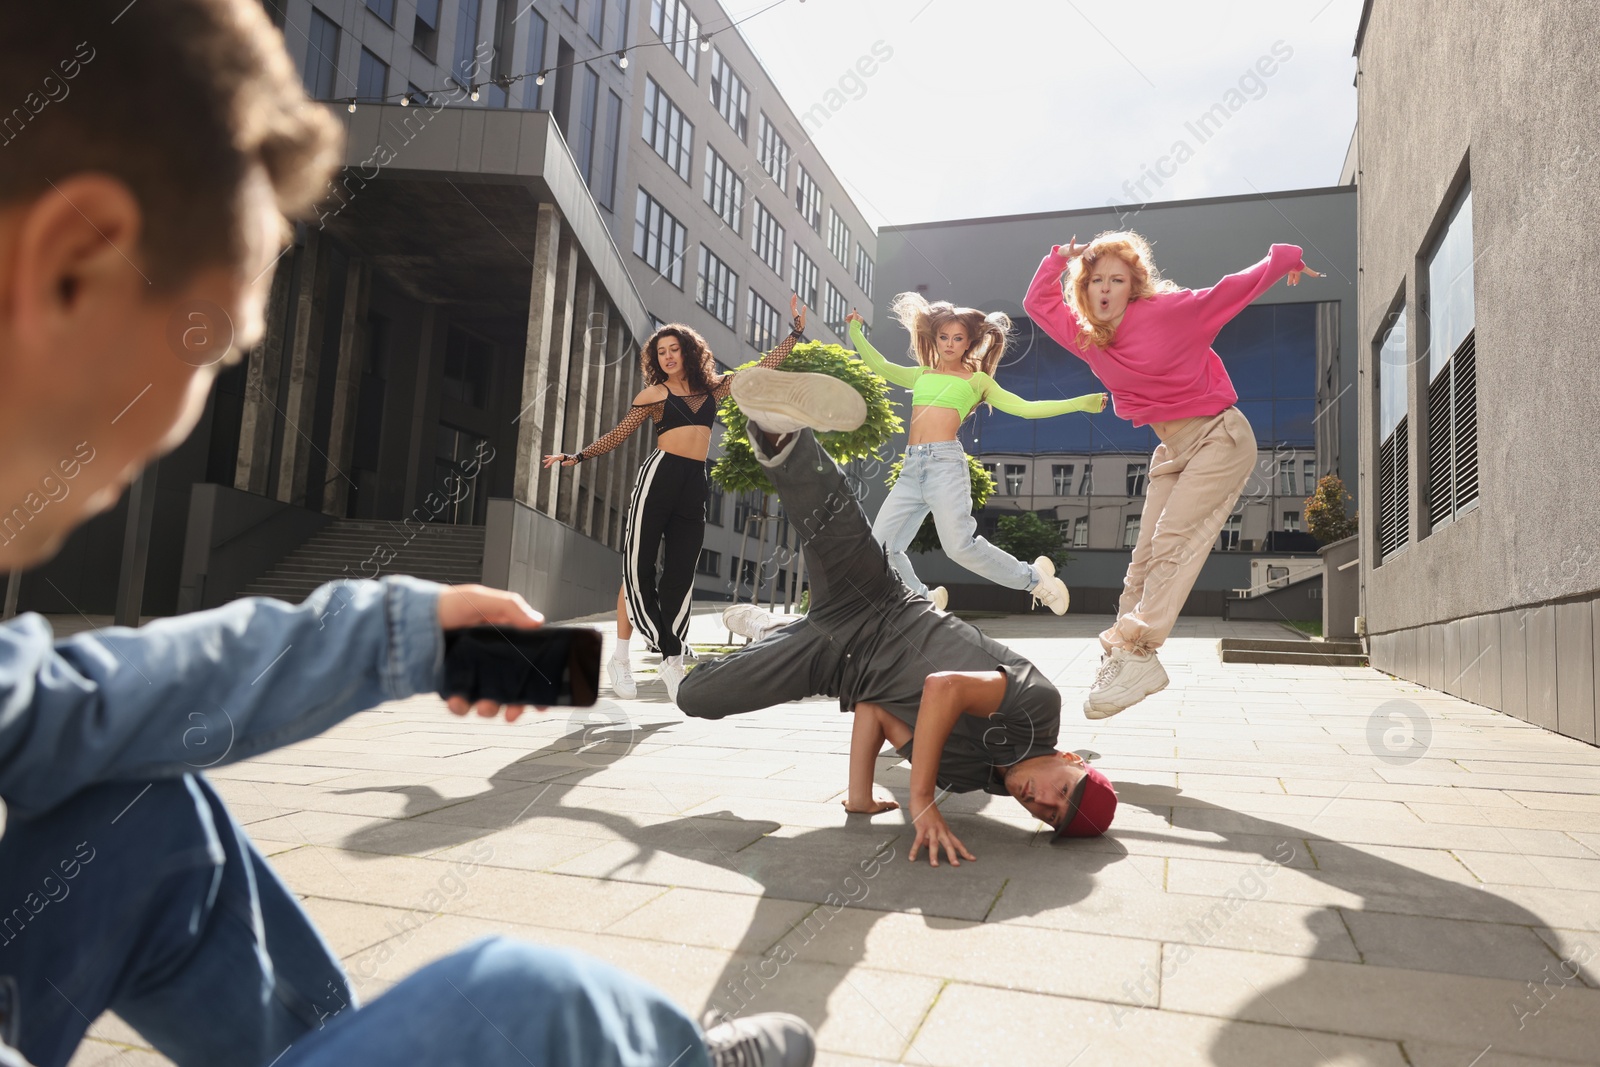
(552, 666)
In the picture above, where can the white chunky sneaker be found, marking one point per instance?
(1125, 678)
(622, 682)
(672, 673)
(940, 597)
(750, 620)
(785, 401)
(771, 1039)
(1046, 566)
(1052, 593)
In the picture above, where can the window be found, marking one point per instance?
(597, 21)
(724, 190)
(1394, 498)
(803, 278)
(728, 95)
(322, 56)
(863, 271)
(772, 152)
(425, 30)
(384, 9)
(746, 506)
(571, 7)
(1291, 522)
(372, 84)
(604, 186)
(838, 237)
(538, 35)
(1014, 475)
(659, 239)
(1230, 533)
(1080, 532)
(468, 363)
(504, 41)
(466, 65)
(714, 505)
(1309, 467)
(1086, 487)
(743, 572)
(583, 148)
(1061, 474)
(679, 31)
(763, 331)
(620, 23)
(717, 289)
(666, 130)
(1130, 531)
(992, 472)
(808, 198)
(1452, 369)
(835, 309)
(766, 237)
(710, 563)
(1136, 478)
(1286, 477)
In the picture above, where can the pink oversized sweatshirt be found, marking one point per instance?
(1160, 365)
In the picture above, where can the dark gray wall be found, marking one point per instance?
(988, 263)
(1499, 606)
(556, 569)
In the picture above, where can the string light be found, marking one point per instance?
(540, 79)
(622, 58)
(405, 101)
(705, 43)
(474, 91)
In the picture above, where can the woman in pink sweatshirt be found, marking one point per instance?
(1149, 343)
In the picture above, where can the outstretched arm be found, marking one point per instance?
(873, 726)
(1012, 404)
(1234, 293)
(904, 377)
(614, 437)
(1045, 304)
(946, 697)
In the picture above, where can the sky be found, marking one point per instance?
(996, 107)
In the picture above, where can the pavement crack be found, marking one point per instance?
(996, 901)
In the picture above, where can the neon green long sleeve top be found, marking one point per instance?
(934, 389)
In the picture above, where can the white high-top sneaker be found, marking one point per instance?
(940, 597)
(622, 682)
(1125, 678)
(750, 620)
(785, 401)
(772, 1039)
(1051, 591)
(672, 673)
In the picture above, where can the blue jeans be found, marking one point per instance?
(148, 900)
(935, 478)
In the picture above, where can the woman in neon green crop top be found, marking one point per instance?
(957, 350)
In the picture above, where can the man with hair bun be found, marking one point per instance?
(152, 154)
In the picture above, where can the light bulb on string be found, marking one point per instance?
(474, 93)
(622, 58)
(352, 107)
(705, 43)
(405, 101)
(540, 79)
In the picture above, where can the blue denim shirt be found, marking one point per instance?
(186, 693)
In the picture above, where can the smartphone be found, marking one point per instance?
(552, 666)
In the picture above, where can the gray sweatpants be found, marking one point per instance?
(852, 585)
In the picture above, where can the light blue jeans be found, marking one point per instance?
(147, 899)
(935, 478)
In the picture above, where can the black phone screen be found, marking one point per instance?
(551, 666)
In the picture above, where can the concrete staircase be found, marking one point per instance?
(1305, 653)
(366, 548)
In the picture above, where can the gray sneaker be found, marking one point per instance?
(785, 401)
(771, 1039)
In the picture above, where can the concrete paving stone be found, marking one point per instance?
(1375, 788)
(255, 770)
(95, 1053)
(1429, 1054)
(1388, 861)
(358, 833)
(1412, 833)
(433, 750)
(623, 861)
(1576, 951)
(349, 927)
(1581, 802)
(1505, 818)
(1558, 872)
(389, 802)
(732, 922)
(973, 1026)
(1449, 946)
(1385, 1003)
(521, 848)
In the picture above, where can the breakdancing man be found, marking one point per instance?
(967, 711)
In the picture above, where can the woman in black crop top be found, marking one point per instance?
(681, 394)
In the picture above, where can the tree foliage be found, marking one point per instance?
(1027, 536)
(737, 470)
(927, 539)
(1324, 511)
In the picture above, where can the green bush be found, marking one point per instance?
(1324, 511)
(927, 539)
(737, 471)
(1027, 536)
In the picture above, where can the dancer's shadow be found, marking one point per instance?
(1408, 921)
(819, 892)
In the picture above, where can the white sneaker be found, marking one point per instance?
(672, 673)
(1125, 678)
(771, 1039)
(749, 620)
(785, 401)
(1046, 566)
(940, 597)
(622, 682)
(1052, 593)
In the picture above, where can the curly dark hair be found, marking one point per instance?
(699, 367)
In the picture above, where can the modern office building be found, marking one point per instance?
(1291, 356)
(529, 190)
(1475, 163)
